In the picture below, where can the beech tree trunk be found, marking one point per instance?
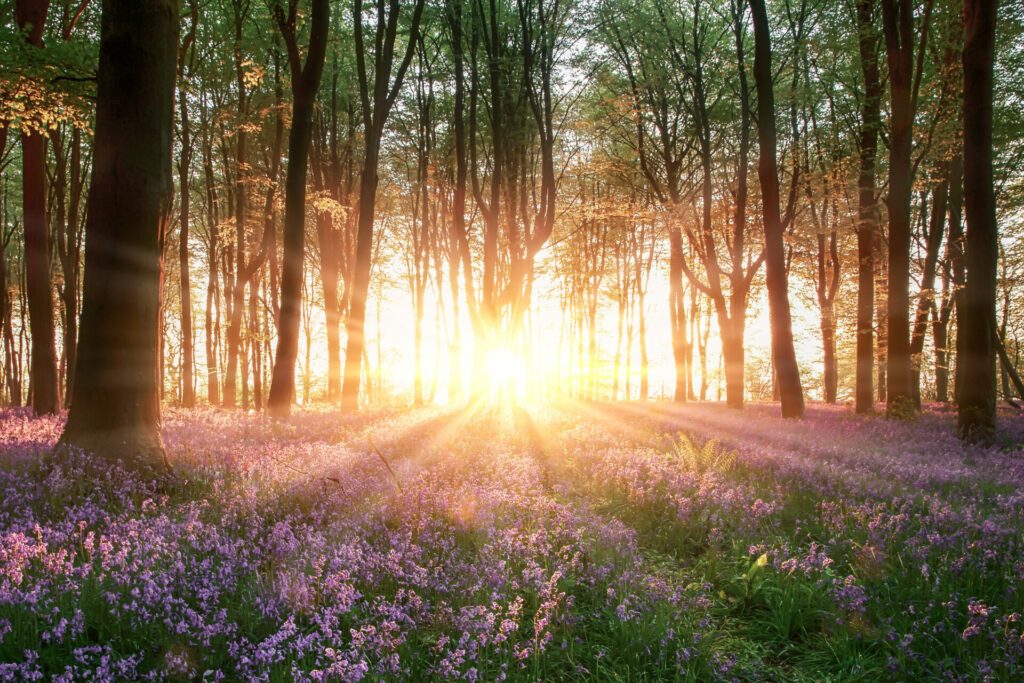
(827, 287)
(330, 275)
(926, 300)
(956, 274)
(733, 359)
(898, 23)
(210, 320)
(376, 100)
(31, 16)
(783, 351)
(976, 361)
(867, 207)
(361, 277)
(115, 411)
(677, 311)
(13, 381)
(70, 253)
(188, 388)
(305, 83)
(234, 294)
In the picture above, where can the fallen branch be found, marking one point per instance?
(384, 460)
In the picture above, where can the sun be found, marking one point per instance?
(504, 367)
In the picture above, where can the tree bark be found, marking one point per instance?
(783, 351)
(955, 269)
(31, 15)
(976, 362)
(827, 287)
(115, 411)
(330, 275)
(898, 24)
(211, 321)
(867, 206)
(235, 294)
(305, 84)
(926, 300)
(13, 382)
(384, 92)
(188, 389)
(677, 311)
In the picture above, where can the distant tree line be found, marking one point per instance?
(862, 156)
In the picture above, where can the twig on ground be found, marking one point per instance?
(384, 460)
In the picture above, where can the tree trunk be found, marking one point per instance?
(867, 206)
(7, 333)
(235, 294)
(783, 351)
(733, 358)
(30, 15)
(677, 311)
(305, 83)
(188, 389)
(926, 300)
(116, 408)
(940, 337)
(383, 97)
(977, 400)
(881, 311)
(71, 262)
(956, 267)
(702, 338)
(210, 321)
(329, 277)
(255, 347)
(361, 279)
(460, 240)
(645, 365)
(898, 22)
(828, 262)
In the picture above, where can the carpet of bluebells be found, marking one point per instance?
(601, 542)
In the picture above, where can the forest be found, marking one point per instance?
(622, 340)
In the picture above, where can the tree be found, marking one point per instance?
(731, 316)
(867, 202)
(783, 351)
(31, 17)
(235, 294)
(660, 114)
(11, 377)
(115, 409)
(376, 99)
(904, 84)
(305, 84)
(334, 180)
(188, 390)
(67, 237)
(976, 414)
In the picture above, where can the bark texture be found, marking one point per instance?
(115, 411)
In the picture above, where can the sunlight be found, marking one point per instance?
(504, 367)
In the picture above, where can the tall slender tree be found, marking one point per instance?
(185, 54)
(31, 18)
(305, 84)
(867, 203)
(904, 83)
(783, 351)
(377, 93)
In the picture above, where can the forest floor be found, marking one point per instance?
(571, 542)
